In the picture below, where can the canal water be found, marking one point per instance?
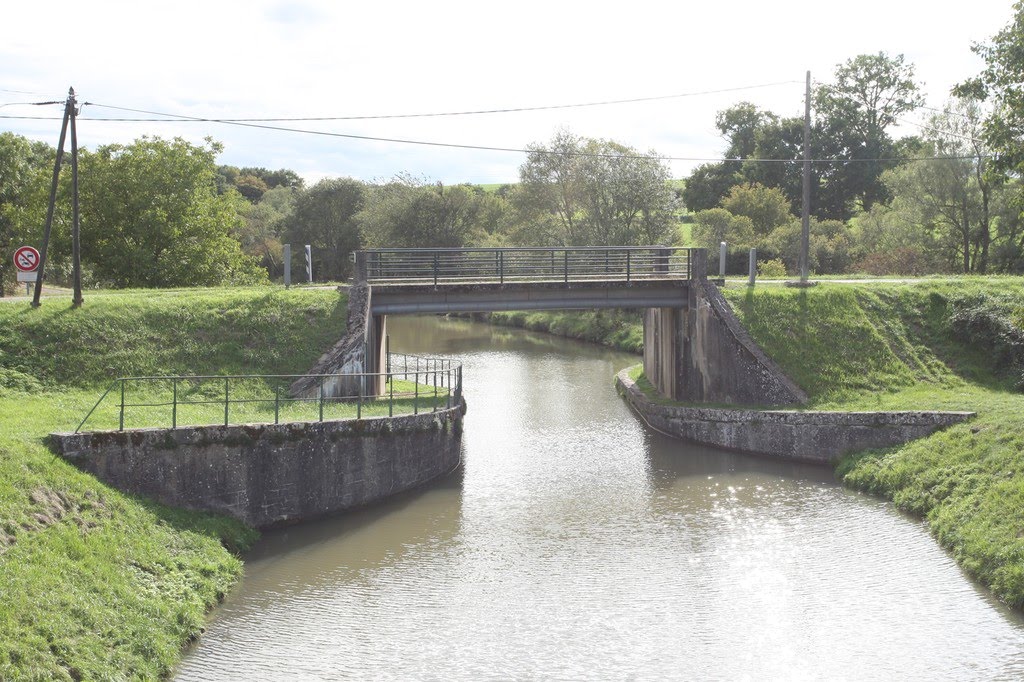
(575, 543)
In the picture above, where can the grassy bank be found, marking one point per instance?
(618, 329)
(938, 344)
(933, 345)
(97, 584)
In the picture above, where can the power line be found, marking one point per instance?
(508, 110)
(250, 123)
(940, 131)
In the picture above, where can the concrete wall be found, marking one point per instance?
(811, 436)
(349, 356)
(266, 474)
(701, 352)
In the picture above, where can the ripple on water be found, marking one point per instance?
(576, 544)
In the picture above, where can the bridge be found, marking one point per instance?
(694, 347)
(487, 280)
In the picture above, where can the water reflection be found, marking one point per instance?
(574, 543)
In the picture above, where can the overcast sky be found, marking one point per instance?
(264, 58)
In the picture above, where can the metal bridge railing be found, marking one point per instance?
(524, 264)
(412, 384)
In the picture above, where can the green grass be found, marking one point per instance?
(97, 584)
(888, 346)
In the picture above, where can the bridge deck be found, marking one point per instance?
(395, 299)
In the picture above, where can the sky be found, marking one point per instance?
(324, 58)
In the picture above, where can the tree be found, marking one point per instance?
(597, 192)
(766, 207)
(709, 183)
(151, 216)
(740, 124)
(410, 213)
(870, 93)
(1002, 85)
(717, 225)
(953, 193)
(251, 187)
(324, 217)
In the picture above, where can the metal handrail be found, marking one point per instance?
(442, 376)
(525, 264)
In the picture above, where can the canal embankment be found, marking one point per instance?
(99, 584)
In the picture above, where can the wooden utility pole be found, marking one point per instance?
(805, 218)
(41, 271)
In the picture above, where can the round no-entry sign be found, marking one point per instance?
(26, 259)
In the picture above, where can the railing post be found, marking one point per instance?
(321, 399)
(501, 267)
(433, 404)
(416, 394)
(277, 403)
(120, 426)
(628, 265)
(391, 396)
(753, 266)
(436, 265)
(174, 403)
(566, 268)
(359, 400)
(226, 393)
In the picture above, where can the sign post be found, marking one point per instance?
(26, 260)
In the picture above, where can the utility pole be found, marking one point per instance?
(805, 219)
(68, 108)
(76, 255)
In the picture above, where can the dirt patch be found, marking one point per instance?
(50, 507)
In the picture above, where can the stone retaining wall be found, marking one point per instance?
(804, 435)
(265, 474)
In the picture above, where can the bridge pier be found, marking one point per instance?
(699, 352)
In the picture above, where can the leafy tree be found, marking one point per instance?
(324, 217)
(869, 95)
(597, 192)
(740, 124)
(262, 226)
(251, 187)
(766, 207)
(410, 213)
(1002, 84)
(151, 216)
(952, 194)
(282, 177)
(709, 183)
(830, 250)
(716, 225)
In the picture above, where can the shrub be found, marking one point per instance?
(774, 268)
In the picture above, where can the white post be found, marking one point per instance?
(753, 266)
(721, 260)
(286, 256)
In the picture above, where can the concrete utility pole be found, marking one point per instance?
(41, 270)
(805, 219)
(76, 223)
